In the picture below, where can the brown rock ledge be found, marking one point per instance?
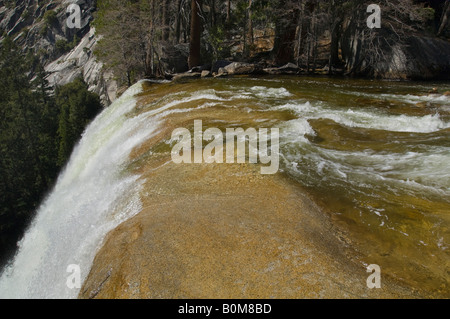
(225, 231)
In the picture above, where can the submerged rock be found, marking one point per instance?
(221, 231)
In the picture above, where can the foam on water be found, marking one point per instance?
(427, 170)
(265, 92)
(369, 119)
(414, 99)
(91, 197)
(422, 172)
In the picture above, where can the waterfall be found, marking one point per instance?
(92, 196)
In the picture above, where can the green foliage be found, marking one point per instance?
(63, 46)
(9, 3)
(426, 14)
(43, 30)
(124, 49)
(216, 38)
(26, 170)
(50, 18)
(31, 138)
(78, 107)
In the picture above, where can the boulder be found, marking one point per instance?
(205, 74)
(237, 68)
(289, 68)
(417, 57)
(186, 75)
(174, 58)
(222, 72)
(220, 64)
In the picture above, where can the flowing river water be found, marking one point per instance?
(374, 155)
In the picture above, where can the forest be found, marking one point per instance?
(39, 127)
(163, 37)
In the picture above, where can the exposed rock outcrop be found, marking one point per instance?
(186, 75)
(289, 68)
(416, 57)
(224, 231)
(65, 52)
(81, 62)
(240, 68)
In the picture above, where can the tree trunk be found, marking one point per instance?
(178, 22)
(445, 17)
(195, 34)
(313, 37)
(149, 54)
(314, 53)
(213, 13)
(335, 30)
(334, 48)
(228, 11)
(165, 20)
(300, 35)
(250, 22)
(285, 31)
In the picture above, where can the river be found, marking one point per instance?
(374, 155)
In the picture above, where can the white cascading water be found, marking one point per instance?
(91, 197)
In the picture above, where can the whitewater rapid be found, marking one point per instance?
(92, 196)
(382, 163)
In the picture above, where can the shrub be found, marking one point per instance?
(50, 18)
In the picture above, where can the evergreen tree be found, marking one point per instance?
(37, 134)
(77, 108)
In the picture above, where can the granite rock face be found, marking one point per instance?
(65, 52)
(226, 232)
(223, 231)
(415, 57)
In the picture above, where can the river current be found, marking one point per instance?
(374, 155)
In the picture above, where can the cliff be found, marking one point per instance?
(66, 52)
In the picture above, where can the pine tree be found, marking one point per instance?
(78, 107)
